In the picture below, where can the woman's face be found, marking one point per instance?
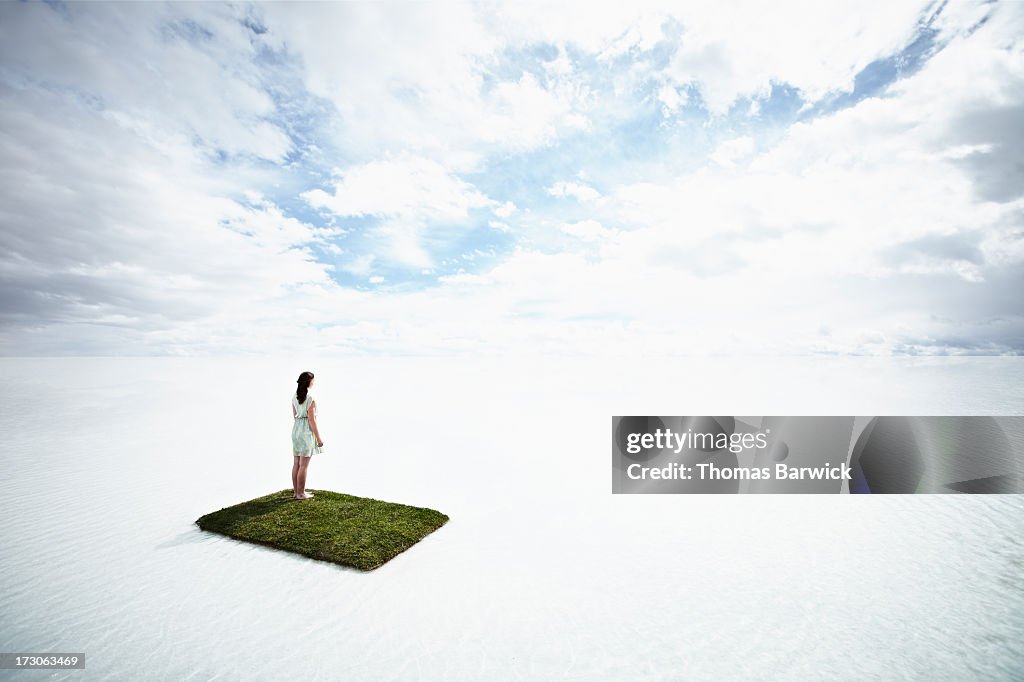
(311, 382)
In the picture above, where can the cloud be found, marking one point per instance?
(505, 210)
(422, 80)
(368, 178)
(959, 252)
(411, 195)
(178, 76)
(578, 191)
(120, 234)
(729, 151)
(742, 51)
(589, 231)
(408, 187)
(736, 50)
(672, 99)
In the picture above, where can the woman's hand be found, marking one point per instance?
(319, 443)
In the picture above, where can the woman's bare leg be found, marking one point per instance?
(300, 481)
(295, 475)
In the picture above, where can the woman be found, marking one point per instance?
(305, 435)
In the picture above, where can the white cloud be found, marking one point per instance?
(149, 67)
(412, 194)
(105, 227)
(405, 187)
(417, 78)
(578, 191)
(893, 223)
(362, 265)
(523, 114)
(602, 28)
(589, 230)
(729, 152)
(739, 49)
(505, 210)
(672, 98)
(401, 242)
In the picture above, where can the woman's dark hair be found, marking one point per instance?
(303, 382)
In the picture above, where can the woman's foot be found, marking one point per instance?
(307, 493)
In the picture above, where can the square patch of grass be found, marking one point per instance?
(352, 531)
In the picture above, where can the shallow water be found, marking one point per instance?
(541, 573)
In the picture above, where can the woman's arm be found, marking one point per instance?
(311, 413)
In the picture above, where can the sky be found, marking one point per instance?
(497, 178)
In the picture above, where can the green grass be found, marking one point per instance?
(348, 530)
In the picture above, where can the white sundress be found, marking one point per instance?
(303, 440)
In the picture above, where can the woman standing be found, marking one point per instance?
(305, 435)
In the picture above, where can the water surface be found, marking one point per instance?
(541, 573)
